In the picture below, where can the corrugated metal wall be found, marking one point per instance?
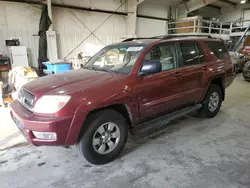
(68, 41)
(65, 42)
(26, 38)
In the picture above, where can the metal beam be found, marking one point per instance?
(214, 6)
(89, 9)
(191, 5)
(229, 2)
(152, 17)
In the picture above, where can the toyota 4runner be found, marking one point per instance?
(124, 88)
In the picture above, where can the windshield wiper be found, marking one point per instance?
(100, 69)
(89, 68)
(106, 70)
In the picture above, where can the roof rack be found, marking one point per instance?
(166, 37)
(180, 36)
(131, 39)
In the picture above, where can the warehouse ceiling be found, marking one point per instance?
(167, 2)
(217, 4)
(226, 3)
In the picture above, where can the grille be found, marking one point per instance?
(26, 99)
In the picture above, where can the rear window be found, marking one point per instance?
(191, 54)
(218, 48)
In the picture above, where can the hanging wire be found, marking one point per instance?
(92, 33)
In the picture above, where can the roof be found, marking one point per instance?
(140, 41)
(146, 41)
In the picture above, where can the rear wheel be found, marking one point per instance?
(246, 76)
(104, 138)
(212, 102)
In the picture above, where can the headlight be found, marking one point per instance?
(50, 104)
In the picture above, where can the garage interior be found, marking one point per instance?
(40, 38)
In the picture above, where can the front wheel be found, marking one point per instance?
(212, 102)
(105, 137)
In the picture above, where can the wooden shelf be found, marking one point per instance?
(4, 68)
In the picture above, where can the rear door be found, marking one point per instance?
(224, 62)
(192, 70)
(159, 92)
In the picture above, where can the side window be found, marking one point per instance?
(218, 48)
(165, 53)
(190, 54)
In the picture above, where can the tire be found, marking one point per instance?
(92, 141)
(210, 109)
(237, 69)
(246, 77)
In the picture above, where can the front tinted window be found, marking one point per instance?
(119, 59)
(164, 53)
(190, 54)
(218, 48)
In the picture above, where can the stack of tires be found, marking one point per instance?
(246, 71)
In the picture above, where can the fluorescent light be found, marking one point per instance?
(243, 1)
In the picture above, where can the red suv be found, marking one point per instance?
(125, 87)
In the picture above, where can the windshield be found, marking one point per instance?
(118, 59)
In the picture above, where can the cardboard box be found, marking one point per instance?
(189, 22)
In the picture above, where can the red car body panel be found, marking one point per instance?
(143, 96)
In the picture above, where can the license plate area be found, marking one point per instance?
(18, 124)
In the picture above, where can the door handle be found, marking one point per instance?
(177, 74)
(204, 67)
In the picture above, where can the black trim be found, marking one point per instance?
(151, 124)
(152, 17)
(167, 37)
(89, 9)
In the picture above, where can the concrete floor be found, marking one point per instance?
(192, 152)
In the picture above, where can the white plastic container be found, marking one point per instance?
(1, 94)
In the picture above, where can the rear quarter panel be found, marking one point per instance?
(217, 68)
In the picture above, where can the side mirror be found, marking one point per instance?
(150, 67)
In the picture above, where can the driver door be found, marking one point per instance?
(159, 92)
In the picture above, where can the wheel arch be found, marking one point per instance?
(220, 81)
(217, 80)
(121, 108)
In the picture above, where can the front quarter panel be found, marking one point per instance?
(95, 102)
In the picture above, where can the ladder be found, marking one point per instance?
(242, 39)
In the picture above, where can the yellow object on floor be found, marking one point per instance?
(21, 76)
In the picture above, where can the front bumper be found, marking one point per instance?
(27, 122)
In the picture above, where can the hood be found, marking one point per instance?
(66, 82)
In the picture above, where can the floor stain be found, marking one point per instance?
(3, 162)
(41, 164)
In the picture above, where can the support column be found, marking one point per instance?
(132, 17)
(51, 37)
(50, 14)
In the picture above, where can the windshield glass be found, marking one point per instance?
(118, 59)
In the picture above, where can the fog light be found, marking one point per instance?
(45, 135)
